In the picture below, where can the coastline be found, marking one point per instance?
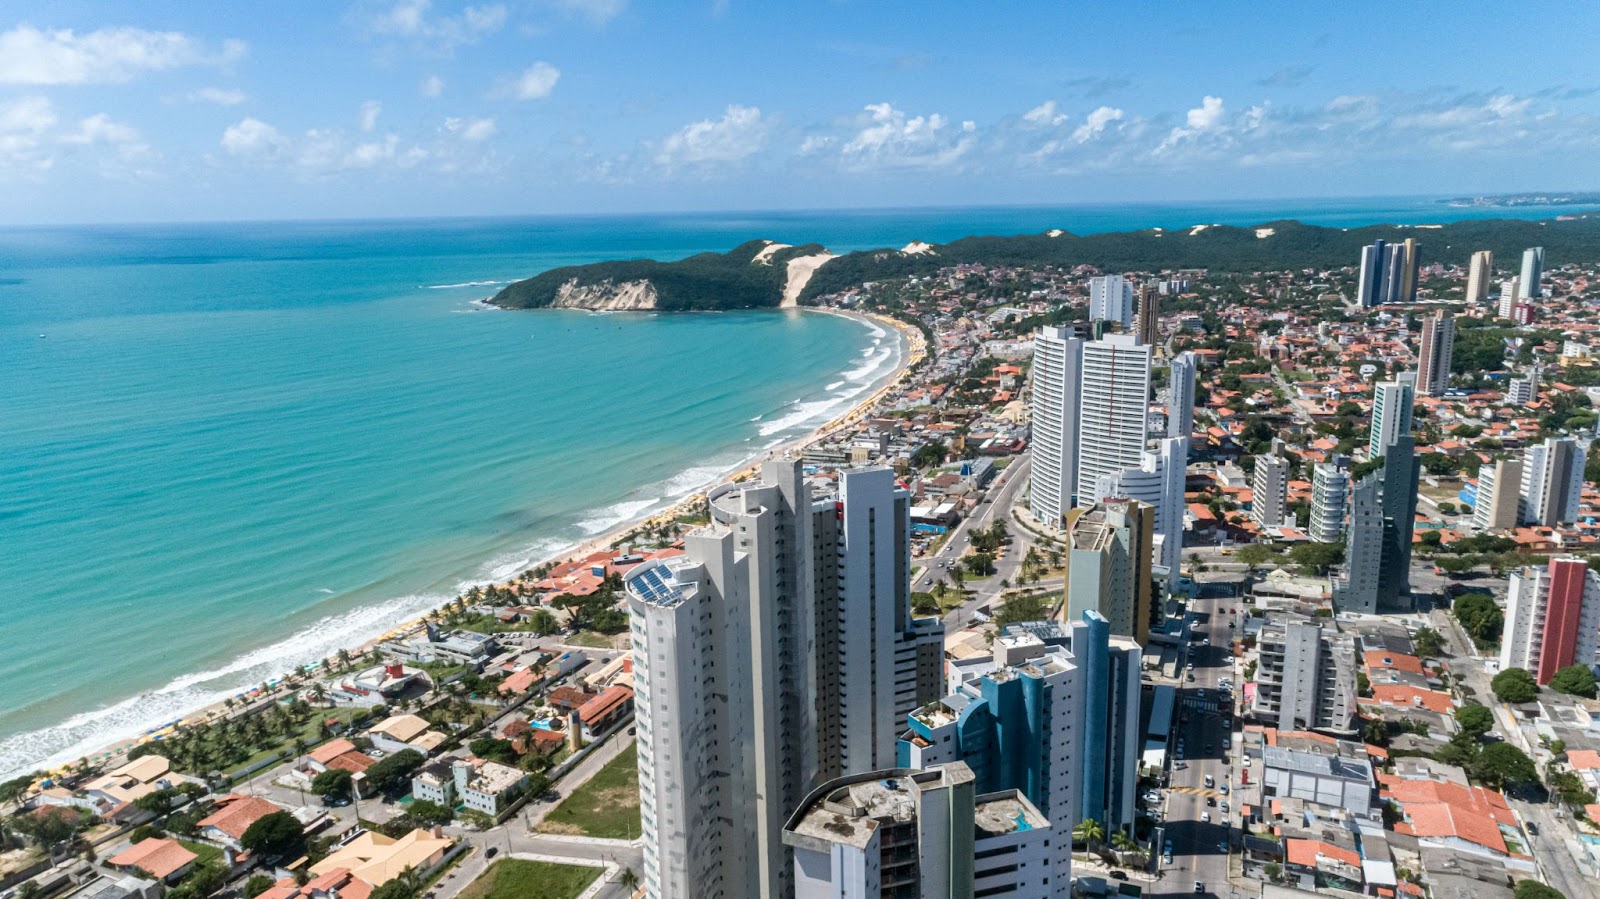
(913, 349)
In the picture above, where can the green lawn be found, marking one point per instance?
(513, 878)
(206, 851)
(606, 807)
(310, 731)
(592, 639)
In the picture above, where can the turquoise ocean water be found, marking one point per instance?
(229, 449)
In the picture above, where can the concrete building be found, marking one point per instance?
(1433, 357)
(1524, 391)
(1552, 618)
(1111, 300)
(1057, 374)
(1108, 566)
(1180, 406)
(777, 652)
(1388, 273)
(1552, 480)
(1408, 271)
(1378, 539)
(1269, 492)
(1338, 776)
(1532, 274)
(1306, 677)
(1392, 403)
(1507, 304)
(1330, 499)
(918, 834)
(1499, 494)
(1113, 401)
(487, 787)
(1149, 315)
(1370, 277)
(1158, 482)
(1479, 273)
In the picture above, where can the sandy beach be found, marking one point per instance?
(915, 350)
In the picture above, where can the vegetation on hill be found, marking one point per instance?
(733, 280)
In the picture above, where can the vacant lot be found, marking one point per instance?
(513, 878)
(606, 807)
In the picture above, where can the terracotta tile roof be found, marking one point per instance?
(331, 750)
(160, 858)
(236, 813)
(1378, 659)
(1305, 852)
(1583, 759)
(605, 705)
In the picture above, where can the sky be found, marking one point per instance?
(170, 110)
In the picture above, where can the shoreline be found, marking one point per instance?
(913, 349)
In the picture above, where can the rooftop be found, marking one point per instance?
(853, 810)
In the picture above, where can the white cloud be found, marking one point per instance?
(370, 111)
(413, 20)
(31, 56)
(471, 129)
(1045, 115)
(536, 82)
(1207, 115)
(889, 139)
(24, 124)
(1096, 123)
(432, 86)
(598, 12)
(251, 137)
(218, 95)
(738, 135)
(100, 128)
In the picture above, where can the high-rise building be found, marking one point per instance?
(1383, 511)
(1524, 391)
(1499, 494)
(1532, 274)
(1408, 271)
(1479, 273)
(1552, 481)
(1370, 289)
(1149, 315)
(1180, 389)
(1330, 499)
(1269, 493)
(1111, 300)
(1159, 482)
(1114, 400)
(1391, 415)
(921, 834)
(1108, 566)
(1057, 374)
(1306, 677)
(1507, 304)
(1552, 618)
(1433, 357)
(777, 651)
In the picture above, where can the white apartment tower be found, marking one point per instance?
(1057, 373)
(1433, 357)
(1330, 499)
(1159, 482)
(1508, 297)
(1111, 299)
(1114, 397)
(1269, 492)
(1180, 407)
(1499, 495)
(778, 651)
(1552, 481)
(1391, 416)
(1478, 275)
(1305, 677)
(1532, 273)
(1524, 391)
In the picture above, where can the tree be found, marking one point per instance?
(1503, 765)
(274, 836)
(397, 888)
(1257, 554)
(1567, 786)
(426, 813)
(1022, 608)
(159, 803)
(541, 622)
(1428, 642)
(332, 783)
(200, 882)
(12, 789)
(1480, 617)
(1574, 680)
(494, 750)
(1319, 557)
(256, 885)
(394, 771)
(1533, 889)
(1475, 720)
(1376, 732)
(1089, 832)
(1514, 685)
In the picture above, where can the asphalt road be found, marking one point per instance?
(1204, 729)
(1002, 494)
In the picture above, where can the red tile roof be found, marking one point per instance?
(160, 858)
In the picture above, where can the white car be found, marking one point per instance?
(1205, 817)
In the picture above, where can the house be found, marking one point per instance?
(487, 787)
(233, 816)
(519, 682)
(109, 792)
(401, 732)
(1469, 819)
(164, 859)
(374, 859)
(600, 713)
(435, 782)
(569, 698)
(340, 754)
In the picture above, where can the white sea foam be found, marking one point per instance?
(90, 731)
(463, 284)
(834, 386)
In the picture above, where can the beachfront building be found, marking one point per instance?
(918, 833)
(1114, 398)
(787, 618)
(1111, 300)
(1057, 371)
(1108, 566)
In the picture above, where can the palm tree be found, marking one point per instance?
(629, 881)
(1090, 832)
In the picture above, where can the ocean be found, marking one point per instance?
(226, 449)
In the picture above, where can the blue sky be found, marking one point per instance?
(168, 110)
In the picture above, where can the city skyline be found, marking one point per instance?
(419, 108)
